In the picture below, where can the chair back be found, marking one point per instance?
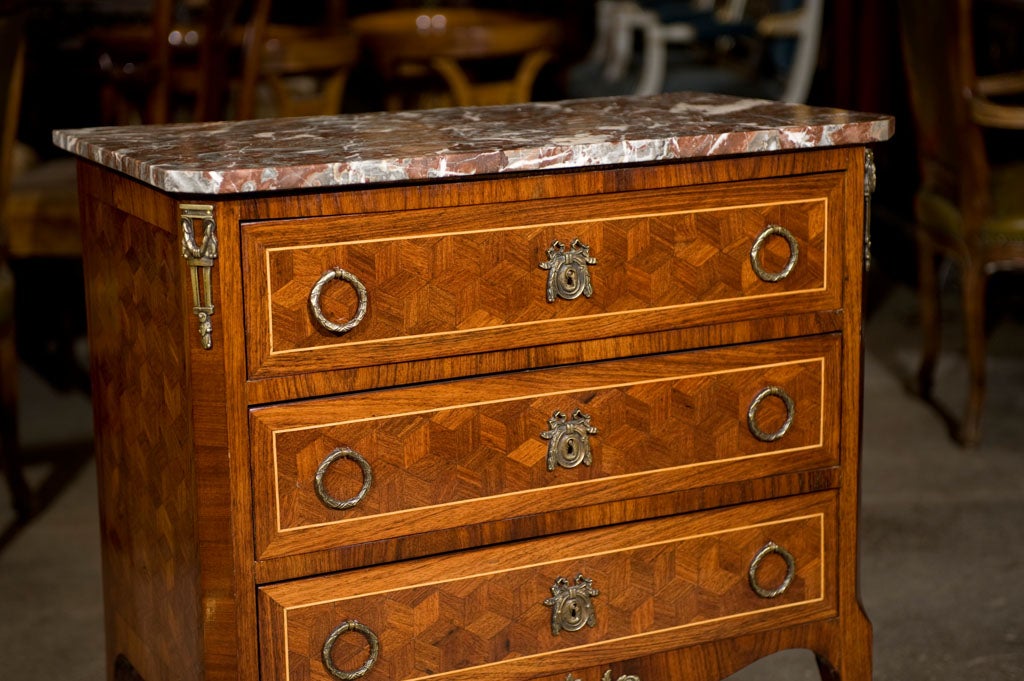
(804, 25)
(938, 54)
(12, 66)
(176, 65)
(304, 68)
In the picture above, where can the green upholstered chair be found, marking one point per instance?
(969, 208)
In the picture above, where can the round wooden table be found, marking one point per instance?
(467, 48)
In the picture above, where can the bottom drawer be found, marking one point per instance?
(521, 610)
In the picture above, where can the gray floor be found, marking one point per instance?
(942, 528)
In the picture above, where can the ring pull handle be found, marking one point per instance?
(755, 253)
(328, 657)
(568, 273)
(767, 550)
(318, 480)
(317, 291)
(569, 440)
(755, 429)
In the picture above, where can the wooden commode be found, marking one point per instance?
(559, 391)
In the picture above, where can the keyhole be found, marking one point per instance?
(574, 612)
(570, 278)
(570, 448)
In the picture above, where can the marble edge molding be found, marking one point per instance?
(322, 152)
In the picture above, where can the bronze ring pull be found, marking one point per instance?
(755, 253)
(318, 313)
(318, 481)
(768, 549)
(755, 430)
(371, 638)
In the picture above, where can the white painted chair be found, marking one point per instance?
(803, 24)
(619, 21)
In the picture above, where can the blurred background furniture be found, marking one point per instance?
(481, 56)
(12, 54)
(200, 60)
(293, 70)
(170, 65)
(39, 241)
(969, 208)
(725, 46)
(664, 22)
(39, 223)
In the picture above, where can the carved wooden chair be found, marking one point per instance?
(968, 208)
(175, 66)
(303, 69)
(39, 222)
(12, 54)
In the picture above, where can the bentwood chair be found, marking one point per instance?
(969, 208)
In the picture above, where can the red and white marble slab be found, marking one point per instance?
(336, 151)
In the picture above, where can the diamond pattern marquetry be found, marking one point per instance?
(652, 582)
(453, 286)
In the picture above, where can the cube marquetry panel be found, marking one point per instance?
(145, 469)
(442, 456)
(660, 580)
(458, 280)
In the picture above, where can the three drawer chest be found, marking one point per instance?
(565, 391)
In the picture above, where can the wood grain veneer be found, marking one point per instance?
(444, 455)
(204, 454)
(457, 280)
(481, 614)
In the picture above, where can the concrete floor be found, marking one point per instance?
(942, 528)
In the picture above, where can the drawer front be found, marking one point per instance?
(383, 464)
(372, 289)
(538, 607)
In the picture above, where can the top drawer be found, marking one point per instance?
(348, 291)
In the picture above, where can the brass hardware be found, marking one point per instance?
(371, 638)
(755, 430)
(318, 313)
(768, 549)
(199, 257)
(571, 608)
(318, 480)
(755, 253)
(569, 440)
(870, 181)
(568, 276)
(607, 677)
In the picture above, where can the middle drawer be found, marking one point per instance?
(388, 463)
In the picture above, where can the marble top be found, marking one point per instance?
(337, 151)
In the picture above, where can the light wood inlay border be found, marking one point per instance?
(561, 320)
(564, 486)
